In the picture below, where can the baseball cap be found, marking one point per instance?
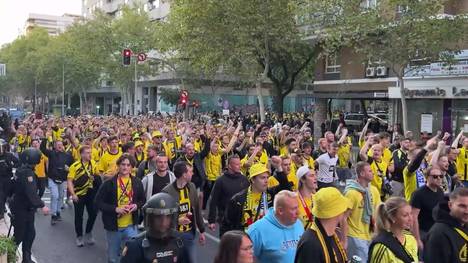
(138, 143)
(257, 169)
(302, 171)
(329, 202)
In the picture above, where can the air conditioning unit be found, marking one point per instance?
(381, 71)
(370, 72)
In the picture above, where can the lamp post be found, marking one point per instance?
(97, 109)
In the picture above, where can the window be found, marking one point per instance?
(368, 3)
(145, 90)
(332, 64)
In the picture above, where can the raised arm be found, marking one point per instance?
(364, 150)
(364, 130)
(457, 139)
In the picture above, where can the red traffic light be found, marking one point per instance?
(127, 52)
(183, 101)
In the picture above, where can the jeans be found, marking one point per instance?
(87, 201)
(116, 240)
(189, 243)
(397, 188)
(57, 192)
(358, 247)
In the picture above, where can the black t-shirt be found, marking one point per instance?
(160, 182)
(310, 249)
(425, 199)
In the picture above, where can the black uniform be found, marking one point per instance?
(144, 249)
(23, 206)
(7, 162)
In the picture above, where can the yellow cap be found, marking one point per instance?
(138, 143)
(156, 134)
(257, 169)
(329, 202)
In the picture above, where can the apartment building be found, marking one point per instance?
(53, 24)
(437, 94)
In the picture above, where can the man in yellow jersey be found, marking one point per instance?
(139, 152)
(254, 156)
(40, 169)
(307, 155)
(172, 144)
(286, 169)
(307, 188)
(83, 182)
(119, 200)
(462, 158)
(190, 216)
(379, 167)
(107, 163)
(344, 155)
(365, 199)
(251, 204)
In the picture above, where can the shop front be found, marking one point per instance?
(434, 103)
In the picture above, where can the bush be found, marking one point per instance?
(8, 246)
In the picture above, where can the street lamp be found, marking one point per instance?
(97, 109)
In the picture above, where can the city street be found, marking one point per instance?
(57, 243)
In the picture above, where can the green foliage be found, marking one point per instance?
(8, 246)
(169, 96)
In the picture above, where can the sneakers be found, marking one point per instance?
(89, 240)
(53, 220)
(79, 242)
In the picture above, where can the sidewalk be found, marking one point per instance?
(4, 227)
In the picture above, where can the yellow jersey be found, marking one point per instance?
(123, 198)
(213, 166)
(356, 227)
(108, 163)
(379, 169)
(462, 164)
(344, 155)
(41, 167)
(305, 210)
(272, 182)
(82, 175)
(184, 207)
(381, 254)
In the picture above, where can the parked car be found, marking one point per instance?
(355, 120)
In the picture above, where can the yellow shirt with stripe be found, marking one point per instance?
(381, 254)
(79, 169)
(184, 207)
(123, 200)
(171, 147)
(245, 170)
(356, 227)
(386, 155)
(41, 167)
(462, 164)
(213, 166)
(310, 162)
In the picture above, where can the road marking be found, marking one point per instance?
(210, 236)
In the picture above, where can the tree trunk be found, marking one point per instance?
(261, 105)
(404, 109)
(278, 100)
(320, 116)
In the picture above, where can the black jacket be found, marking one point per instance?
(57, 162)
(25, 196)
(224, 189)
(443, 243)
(199, 175)
(168, 250)
(400, 160)
(7, 162)
(106, 201)
(234, 210)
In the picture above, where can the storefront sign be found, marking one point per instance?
(430, 93)
(426, 122)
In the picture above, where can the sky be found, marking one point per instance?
(13, 14)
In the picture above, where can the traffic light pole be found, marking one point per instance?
(136, 84)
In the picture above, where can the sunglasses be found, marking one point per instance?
(437, 176)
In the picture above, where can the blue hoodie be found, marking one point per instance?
(274, 242)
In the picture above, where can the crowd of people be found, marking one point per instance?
(273, 191)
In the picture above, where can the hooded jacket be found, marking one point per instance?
(444, 244)
(274, 242)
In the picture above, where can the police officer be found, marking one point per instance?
(25, 201)
(7, 162)
(160, 242)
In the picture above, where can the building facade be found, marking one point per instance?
(53, 24)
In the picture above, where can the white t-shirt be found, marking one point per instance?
(327, 168)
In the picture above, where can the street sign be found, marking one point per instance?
(2, 70)
(141, 57)
(184, 93)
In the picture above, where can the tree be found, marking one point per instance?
(258, 38)
(419, 33)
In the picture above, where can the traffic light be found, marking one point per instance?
(127, 55)
(183, 98)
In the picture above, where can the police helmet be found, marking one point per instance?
(30, 156)
(160, 204)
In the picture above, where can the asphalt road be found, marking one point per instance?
(56, 243)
